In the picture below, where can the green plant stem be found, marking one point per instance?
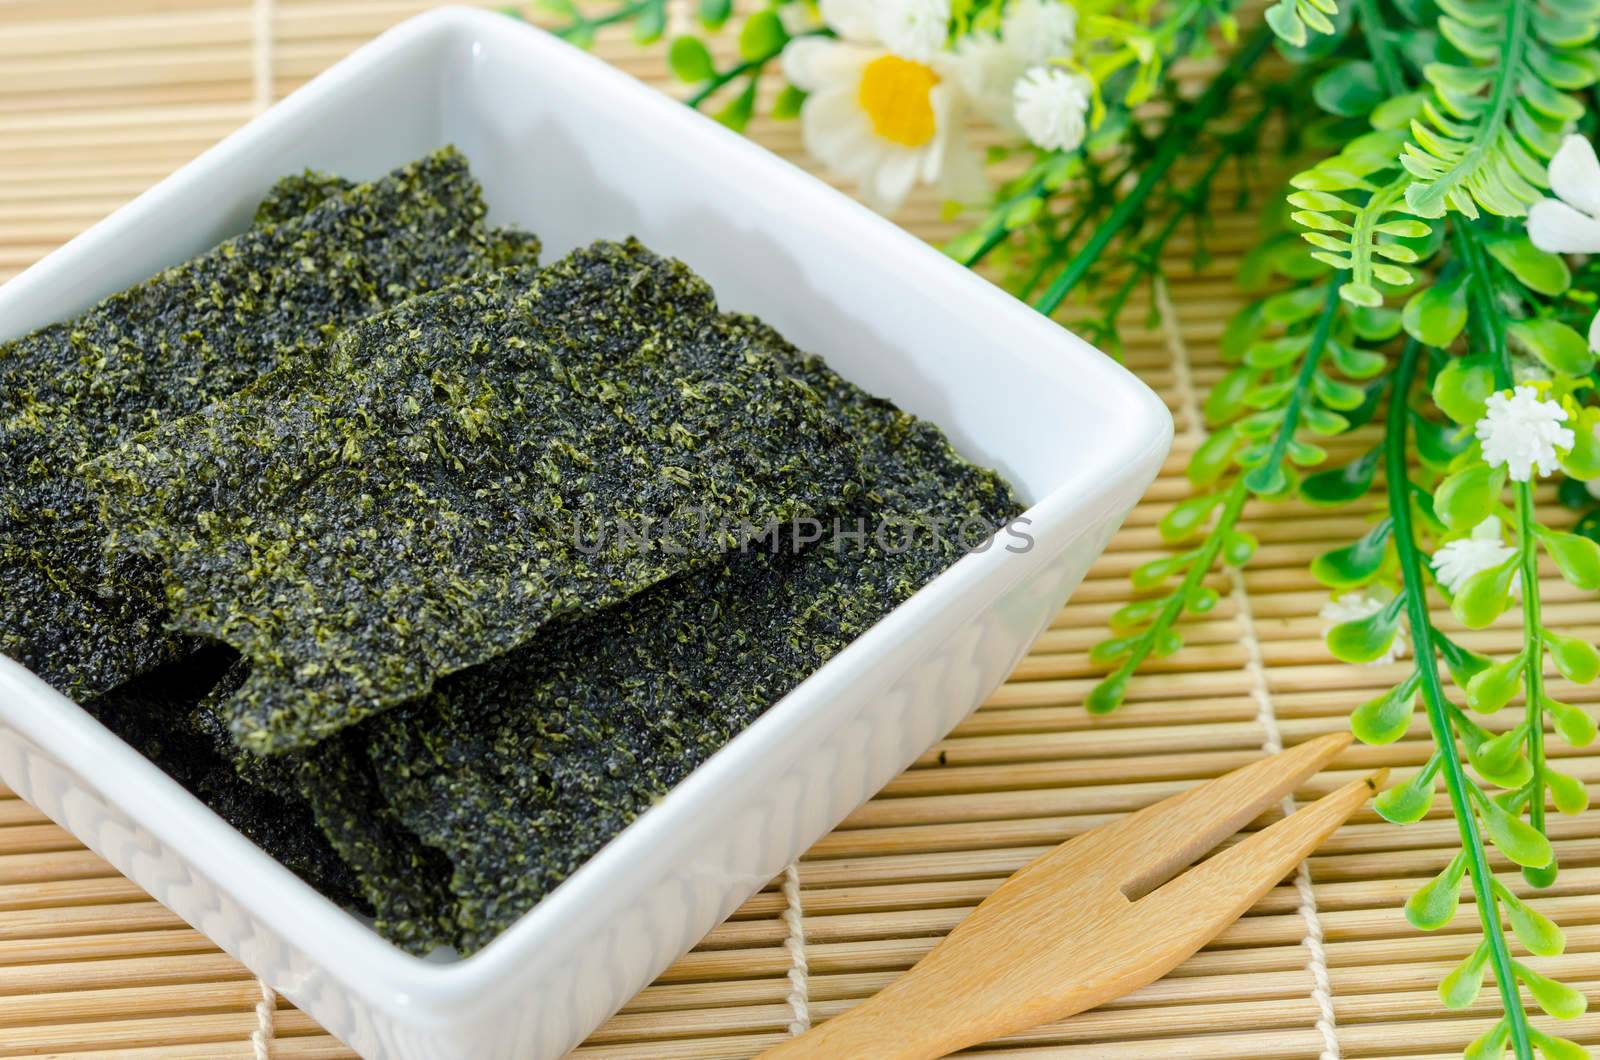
(1391, 75)
(1186, 203)
(1308, 370)
(1533, 645)
(1494, 335)
(1178, 140)
(621, 14)
(1438, 710)
(1232, 505)
(748, 66)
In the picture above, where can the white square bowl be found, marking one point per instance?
(574, 151)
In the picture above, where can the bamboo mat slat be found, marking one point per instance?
(100, 98)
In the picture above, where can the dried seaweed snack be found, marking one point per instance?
(330, 792)
(165, 347)
(155, 713)
(403, 884)
(512, 247)
(75, 638)
(203, 329)
(461, 474)
(522, 769)
(299, 193)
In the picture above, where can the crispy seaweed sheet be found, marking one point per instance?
(521, 769)
(167, 347)
(464, 469)
(299, 193)
(157, 713)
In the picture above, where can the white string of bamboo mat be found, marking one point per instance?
(1260, 694)
(799, 997)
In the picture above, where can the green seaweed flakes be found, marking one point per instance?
(299, 193)
(523, 768)
(170, 345)
(156, 713)
(465, 470)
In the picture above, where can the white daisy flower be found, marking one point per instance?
(989, 70)
(878, 117)
(913, 29)
(1456, 561)
(1039, 30)
(1354, 606)
(1570, 223)
(1523, 433)
(1052, 107)
(1032, 33)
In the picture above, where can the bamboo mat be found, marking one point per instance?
(100, 99)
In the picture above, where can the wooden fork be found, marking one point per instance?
(1099, 916)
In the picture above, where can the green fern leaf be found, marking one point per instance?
(1352, 207)
(1483, 140)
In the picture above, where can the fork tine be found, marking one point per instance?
(1218, 891)
(1164, 838)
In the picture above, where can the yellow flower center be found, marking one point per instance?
(896, 94)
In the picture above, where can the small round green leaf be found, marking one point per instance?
(1136, 615)
(1365, 639)
(1107, 696)
(1187, 517)
(1557, 999)
(1492, 688)
(1349, 90)
(1434, 905)
(1355, 564)
(1201, 600)
(1237, 547)
(1226, 399)
(1577, 659)
(1464, 664)
(1384, 719)
(1484, 596)
(714, 13)
(1111, 649)
(1518, 840)
(1568, 794)
(1533, 929)
(1560, 347)
(1466, 498)
(1577, 557)
(1341, 485)
(1460, 988)
(1575, 724)
(787, 105)
(1500, 761)
(1537, 269)
(1212, 456)
(1491, 1045)
(1462, 389)
(1554, 1048)
(1410, 802)
(1435, 315)
(1151, 574)
(762, 36)
(690, 60)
